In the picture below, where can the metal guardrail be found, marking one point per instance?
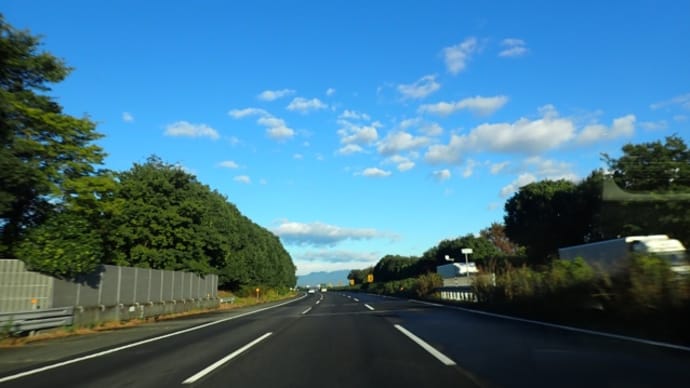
(461, 294)
(23, 321)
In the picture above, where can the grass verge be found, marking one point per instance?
(8, 341)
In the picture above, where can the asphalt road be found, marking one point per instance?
(346, 340)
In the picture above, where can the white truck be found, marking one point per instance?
(610, 254)
(456, 269)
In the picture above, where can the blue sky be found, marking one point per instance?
(355, 129)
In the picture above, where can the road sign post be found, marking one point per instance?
(466, 251)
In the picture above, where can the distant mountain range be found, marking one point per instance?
(334, 278)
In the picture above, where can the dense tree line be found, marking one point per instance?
(63, 214)
(546, 215)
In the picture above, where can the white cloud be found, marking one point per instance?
(680, 118)
(406, 165)
(682, 101)
(318, 234)
(339, 256)
(498, 167)
(280, 133)
(420, 88)
(228, 164)
(451, 153)
(350, 149)
(537, 168)
(513, 48)
(654, 125)
(469, 168)
(456, 57)
(402, 163)
(186, 169)
(303, 105)
(409, 123)
(354, 115)
(477, 105)
(276, 128)
(187, 129)
(330, 92)
(263, 181)
(522, 136)
(431, 129)
(550, 169)
(298, 156)
(374, 172)
(621, 127)
(400, 141)
(242, 179)
(441, 175)
(272, 95)
(522, 180)
(127, 117)
(242, 113)
(357, 134)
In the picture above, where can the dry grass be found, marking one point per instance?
(70, 331)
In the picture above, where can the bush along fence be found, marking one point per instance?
(111, 293)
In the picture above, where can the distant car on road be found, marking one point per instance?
(311, 291)
(323, 289)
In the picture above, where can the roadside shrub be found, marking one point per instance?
(483, 287)
(519, 283)
(652, 285)
(426, 284)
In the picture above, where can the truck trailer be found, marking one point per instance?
(612, 254)
(456, 269)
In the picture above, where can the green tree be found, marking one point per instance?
(481, 247)
(496, 235)
(64, 246)
(546, 215)
(360, 275)
(169, 220)
(45, 154)
(395, 267)
(653, 167)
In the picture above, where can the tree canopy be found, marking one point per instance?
(47, 158)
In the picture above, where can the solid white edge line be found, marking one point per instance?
(427, 303)
(369, 307)
(564, 327)
(138, 343)
(223, 360)
(306, 311)
(445, 360)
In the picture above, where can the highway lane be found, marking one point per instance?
(167, 361)
(324, 337)
(346, 340)
(519, 354)
(340, 343)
